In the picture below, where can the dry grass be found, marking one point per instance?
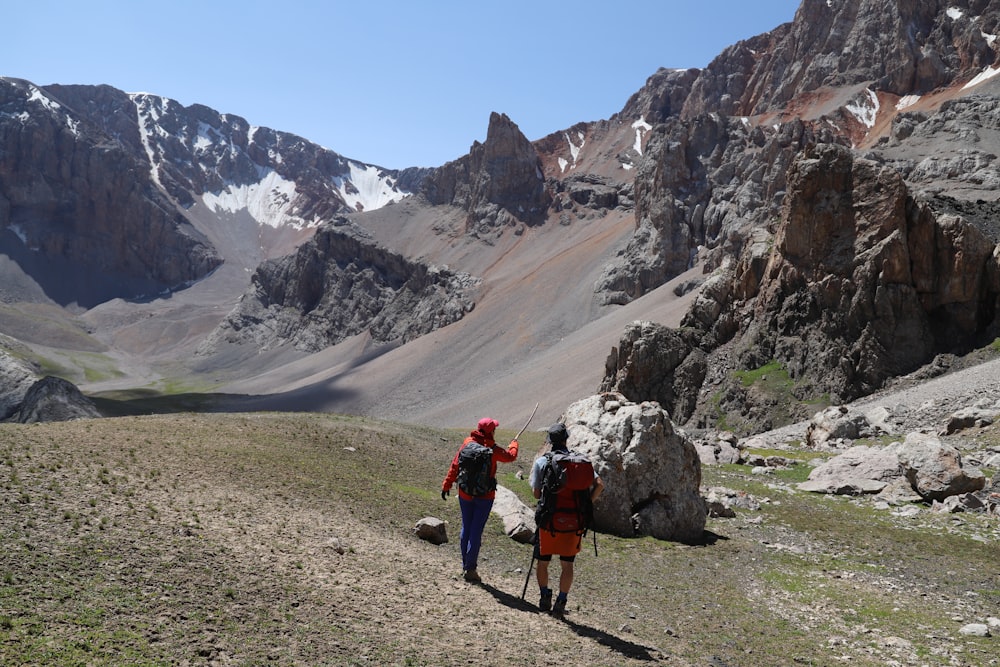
(287, 539)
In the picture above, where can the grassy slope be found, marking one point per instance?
(270, 539)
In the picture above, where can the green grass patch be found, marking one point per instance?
(772, 376)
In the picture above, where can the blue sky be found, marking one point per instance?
(388, 82)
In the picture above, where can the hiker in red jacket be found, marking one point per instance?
(476, 489)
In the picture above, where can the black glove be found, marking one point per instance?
(444, 495)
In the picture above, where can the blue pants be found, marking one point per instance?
(475, 512)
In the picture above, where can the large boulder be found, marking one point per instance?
(837, 424)
(518, 519)
(934, 469)
(930, 468)
(651, 472)
(858, 470)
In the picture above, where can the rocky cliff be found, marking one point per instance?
(839, 176)
(338, 284)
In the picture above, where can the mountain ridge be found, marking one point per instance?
(567, 232)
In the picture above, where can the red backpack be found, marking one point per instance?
(564, 505)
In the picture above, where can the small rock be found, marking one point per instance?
(976, 630)
(432, 530)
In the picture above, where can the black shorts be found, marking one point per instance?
(548, 557)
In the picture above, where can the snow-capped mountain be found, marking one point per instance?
(133, 193)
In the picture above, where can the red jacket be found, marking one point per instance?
(500, 455)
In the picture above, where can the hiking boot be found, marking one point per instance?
(472, 577)
(545, 601)
(559, 608)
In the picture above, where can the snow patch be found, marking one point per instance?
(367, 188)
(563, 163)
(38, 96)
(907, 101)
(986, 74)
(990, 39)
(269, 201)
(206, 137)
(954, 13)
(865, 110)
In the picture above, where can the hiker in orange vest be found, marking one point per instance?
(548, 540)
(476, 489)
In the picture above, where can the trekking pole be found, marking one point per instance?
(531, 565)
(595, 543)
(527, 422)
(527, 578)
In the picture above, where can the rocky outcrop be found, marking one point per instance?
(705, 182)
(866, 283)
(651, 472)
(53, 399)
(860, 282)
(655, 363)
(16, 378)
(498, 184)
(340, 284)
(724, 136)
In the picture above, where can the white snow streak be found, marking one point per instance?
(954, 13)
(990, 39)
(640, 126)
(17, 229)
(141, 101)
(371, 189)
(907, 101)
(574, 150)
(987, 73)
(866, 113)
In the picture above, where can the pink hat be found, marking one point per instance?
(487, 425)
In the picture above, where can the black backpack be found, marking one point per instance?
(564, 504)
(474, 467)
